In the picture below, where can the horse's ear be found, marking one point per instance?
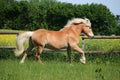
(87, 20)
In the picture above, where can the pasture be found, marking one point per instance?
(55, 70)
(56, 67)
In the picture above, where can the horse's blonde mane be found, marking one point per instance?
(77, 21)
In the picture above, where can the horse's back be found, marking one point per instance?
(39, 36)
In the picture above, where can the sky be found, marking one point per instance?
(113, 5)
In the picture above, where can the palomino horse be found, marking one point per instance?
(68, 37)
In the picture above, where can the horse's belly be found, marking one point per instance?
(56, 46)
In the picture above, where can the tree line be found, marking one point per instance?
(53, 15)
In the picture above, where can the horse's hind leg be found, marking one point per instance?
(23, 59)
(39, 51)
(25, 54)
(27, 51)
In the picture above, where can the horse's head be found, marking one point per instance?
(87, 28)
(83, 24)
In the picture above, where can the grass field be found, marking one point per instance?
(52, 70)
(56, 67)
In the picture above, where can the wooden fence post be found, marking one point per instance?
(82, 43)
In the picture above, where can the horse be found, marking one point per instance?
(67, 37)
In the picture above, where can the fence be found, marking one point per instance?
(99, 37)
(4, 33)
(83, 43)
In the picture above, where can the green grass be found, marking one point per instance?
(54, 70)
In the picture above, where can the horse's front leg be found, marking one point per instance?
(83, 59)
(76, 48)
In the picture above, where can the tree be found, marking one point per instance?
(2, 16)
(53, 15)
(102, 19)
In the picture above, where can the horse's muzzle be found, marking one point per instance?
(91, 36)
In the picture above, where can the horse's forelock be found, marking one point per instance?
(78, 21)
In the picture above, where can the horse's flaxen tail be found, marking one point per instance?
(21, 39)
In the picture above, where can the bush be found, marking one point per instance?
(6, 54)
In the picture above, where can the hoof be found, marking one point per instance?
(40, 62)
(83, 61)
(21, 62)
(71, 65)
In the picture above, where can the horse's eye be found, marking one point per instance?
(90, 28)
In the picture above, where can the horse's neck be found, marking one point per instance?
(78, 29)
(64, 29)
